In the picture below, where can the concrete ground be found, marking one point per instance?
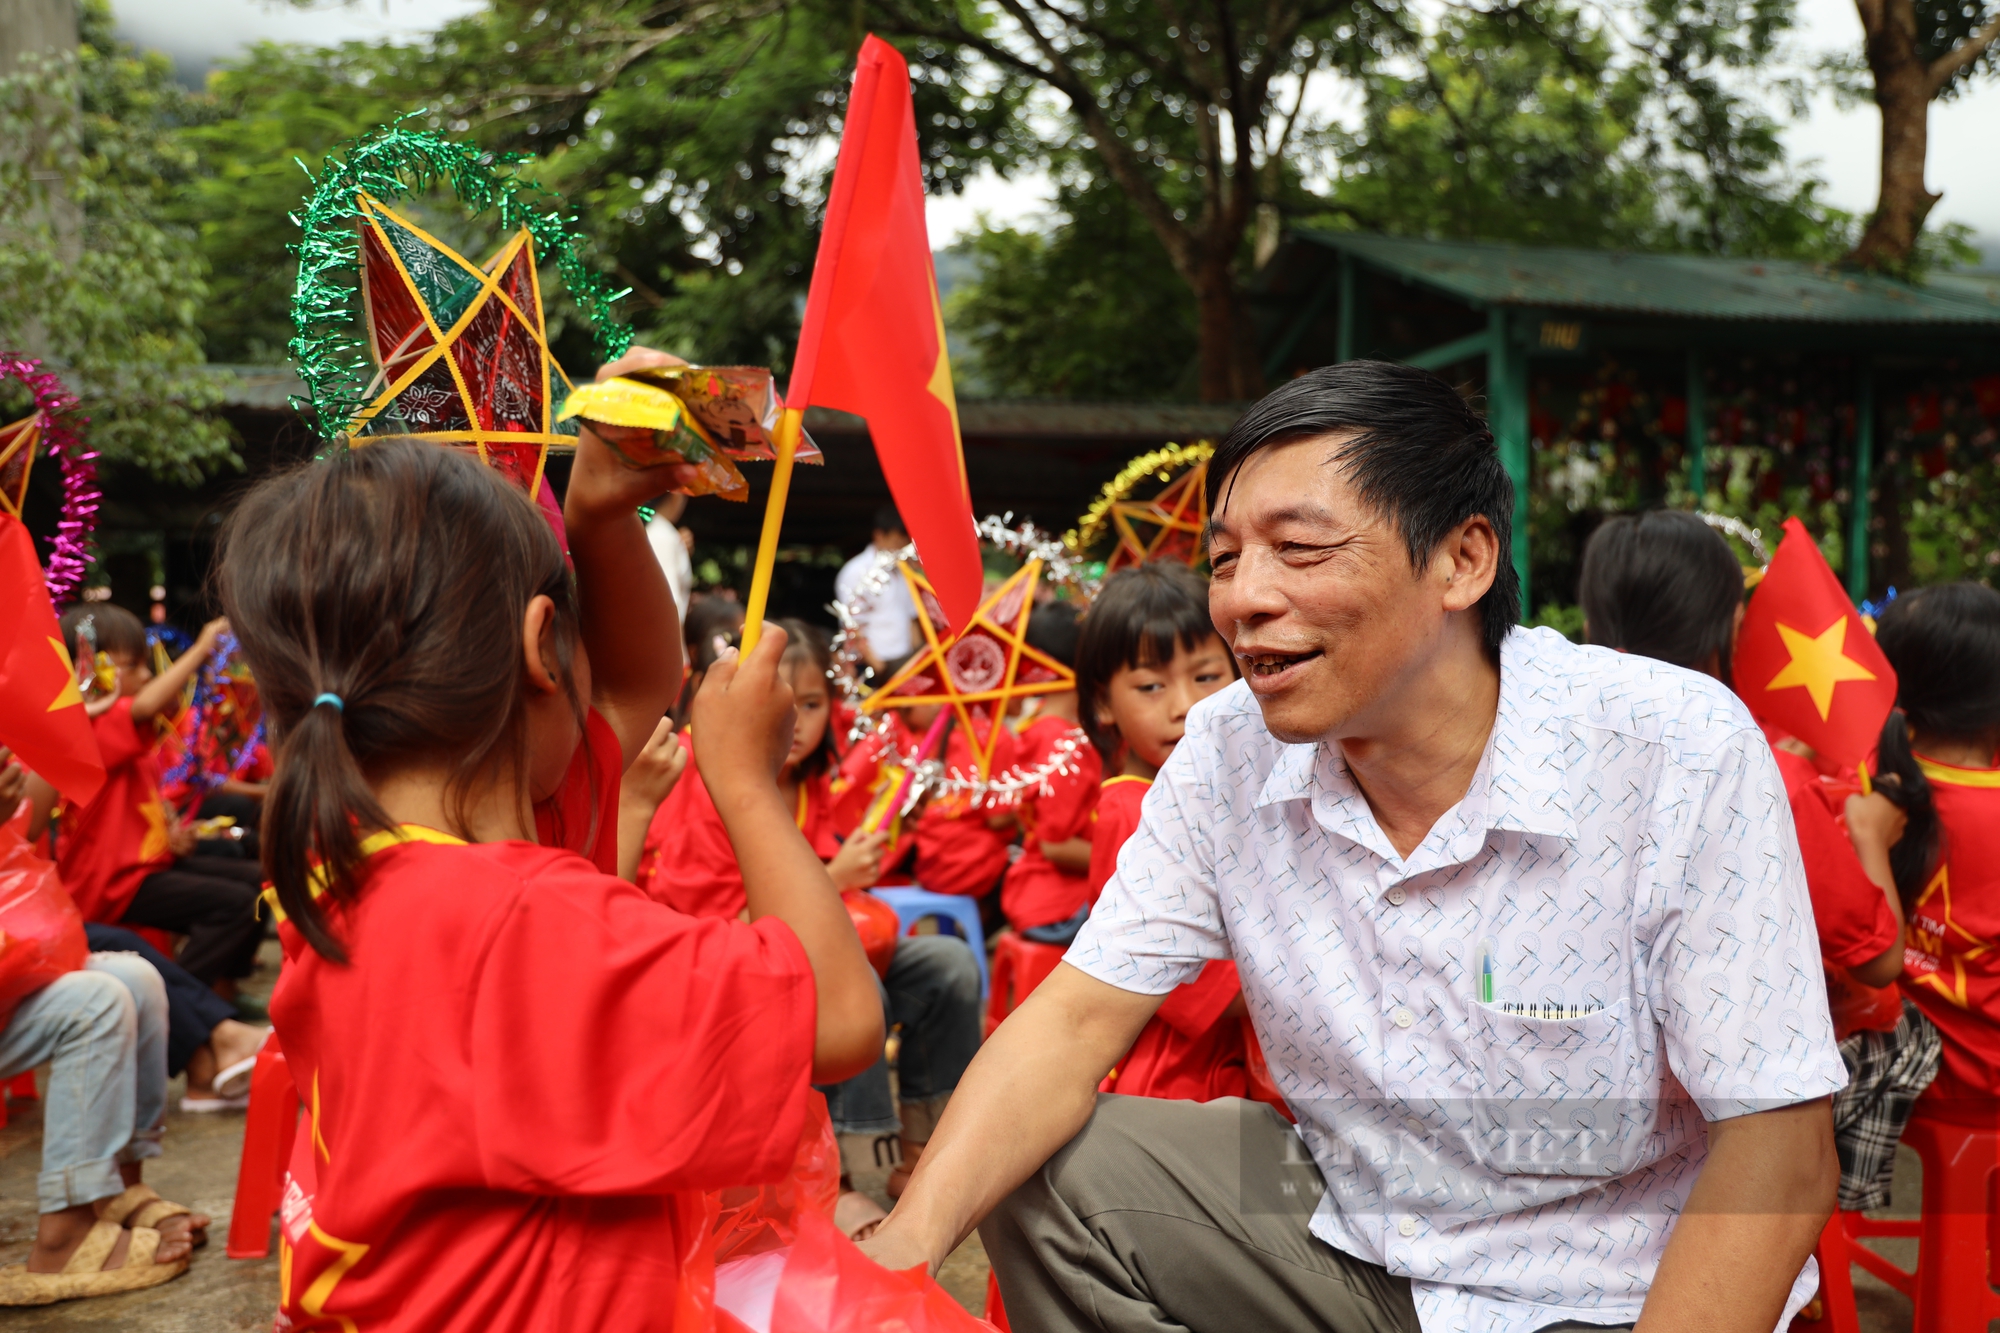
(199, 1169)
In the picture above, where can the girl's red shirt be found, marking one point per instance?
(1951, 969)
(1036, 891)
(958, 849)
(105, 849)
(687, 861)
(516, 1084)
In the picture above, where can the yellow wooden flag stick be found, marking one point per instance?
(789, 422)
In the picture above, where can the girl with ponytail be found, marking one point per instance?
(1937, 762)
(521, 1071)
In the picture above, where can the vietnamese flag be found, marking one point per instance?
(872, 342)
(41, 710)
(1805, 663)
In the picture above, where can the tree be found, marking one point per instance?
(1185, 110)
(1916, 53)
(116, 301)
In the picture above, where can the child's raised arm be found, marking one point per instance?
(161, 691)
(743, 714)
(631, 628)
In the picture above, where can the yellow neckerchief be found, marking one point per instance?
(801, 816)
(1953, 776)
(373, 843)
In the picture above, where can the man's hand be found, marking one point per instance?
(858, 863)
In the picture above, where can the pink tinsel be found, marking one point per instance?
(71, 556)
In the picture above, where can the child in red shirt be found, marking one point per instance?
(1047, 892)
(125, 858)
(1938, 758)
(961, 843)
(1148, 653)
(520, 1071)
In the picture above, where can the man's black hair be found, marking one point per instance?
(888, 520)
(1053, 629)
(1421, 457)
(1140, 618)
(1663, 585)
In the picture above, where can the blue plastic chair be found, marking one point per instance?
(949, 913)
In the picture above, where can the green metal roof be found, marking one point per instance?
(1678, 286)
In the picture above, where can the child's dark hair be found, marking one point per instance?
(1140, 618)
(1053, 629)
(117, 630)
(708, 618)
(395, 578)
(1663, 585)
(1945, 645)
(807, 646)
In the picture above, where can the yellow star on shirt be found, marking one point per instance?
(69, 694)
(1818, 664)
(155, 843)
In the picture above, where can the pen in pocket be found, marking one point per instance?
(1485, 978)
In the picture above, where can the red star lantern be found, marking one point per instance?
(19, 442)
(461, 352)
(985, 666)
(1177, 516)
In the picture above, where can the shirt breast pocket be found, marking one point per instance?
(1559, 1097)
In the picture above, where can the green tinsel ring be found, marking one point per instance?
(391, 163)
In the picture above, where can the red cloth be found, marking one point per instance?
(1117, 814)
(567, 818)
(515, 1083)
(1950, 967)
(105, 848)
(688, 862)
(1189, 1050)
(1037, 892)
(42, 717)
(871, 341)
(1852, 913)
(958, 850)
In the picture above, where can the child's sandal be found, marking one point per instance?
(85, 1273)
(142, 1206)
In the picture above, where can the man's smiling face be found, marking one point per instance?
(1314, 593)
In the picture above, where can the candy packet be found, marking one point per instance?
(709, 417)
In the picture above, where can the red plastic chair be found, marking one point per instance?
(1018, 967)
(269, 1127)
(996, 1313)
(21, 1088)
(1958, 1238)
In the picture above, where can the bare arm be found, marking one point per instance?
(1751, 1220)
(1874, 825)
(159, 693)
(647, 783)
(1029, 1090)
(631, 627)
(1071, 856)
(744, 716)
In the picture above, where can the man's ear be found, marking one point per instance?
(1468, 560)
(538, 645)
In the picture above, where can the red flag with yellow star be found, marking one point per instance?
(1806, 663)
(872, 341)
(41, 710)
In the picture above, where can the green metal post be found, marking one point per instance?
(1507, 413)
(1864, 479)
(1697, 427)
(1343, 347)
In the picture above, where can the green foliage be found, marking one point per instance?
(1090, 310)
(91, 266)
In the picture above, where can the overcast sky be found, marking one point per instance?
(1842, 145)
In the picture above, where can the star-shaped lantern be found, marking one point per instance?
(984, 666)
(18, 443)
(461, 352)
(1167, 527)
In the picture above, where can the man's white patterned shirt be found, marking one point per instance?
(1625, 851)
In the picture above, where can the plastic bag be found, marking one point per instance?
(41, 932)
(878, 926)
(755, 1219)
(827, 1285)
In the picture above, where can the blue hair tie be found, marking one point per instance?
(339, 704)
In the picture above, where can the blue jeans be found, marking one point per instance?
(103, 1031)
(932, 990)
